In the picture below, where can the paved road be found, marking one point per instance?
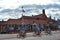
(55, 36)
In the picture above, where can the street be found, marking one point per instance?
(29, 36)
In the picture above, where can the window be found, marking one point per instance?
(37, 18)
(11, 26)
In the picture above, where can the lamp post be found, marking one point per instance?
(23, 11)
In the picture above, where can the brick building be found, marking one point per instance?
(15, 23)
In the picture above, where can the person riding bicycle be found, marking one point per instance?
(22, 32)
(36, 29)
(48, 30)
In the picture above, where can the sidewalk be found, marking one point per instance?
(55, 35)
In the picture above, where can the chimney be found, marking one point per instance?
(50, 17)
(2, 20)
(54, 18)
(32, 15)
(43, 11)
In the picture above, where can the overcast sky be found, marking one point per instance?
(12, 8)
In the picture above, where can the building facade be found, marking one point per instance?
(12, 25)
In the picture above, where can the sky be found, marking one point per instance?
(11, 9)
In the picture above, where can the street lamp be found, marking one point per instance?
(23, 11)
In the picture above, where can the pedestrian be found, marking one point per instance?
(40, 28)
(22, 32)
(36, 29)
(48, 30)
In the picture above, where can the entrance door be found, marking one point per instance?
(29, 28)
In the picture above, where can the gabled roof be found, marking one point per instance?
(29, 19)
(41, 15)
(36, 16)
(14, 21)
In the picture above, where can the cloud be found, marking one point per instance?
(56, 0)
(32, 7)
(43, 6)
(16, 3)
(6, 11)
(0, 7)
(51, 9)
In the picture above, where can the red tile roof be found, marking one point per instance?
(28, 21)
